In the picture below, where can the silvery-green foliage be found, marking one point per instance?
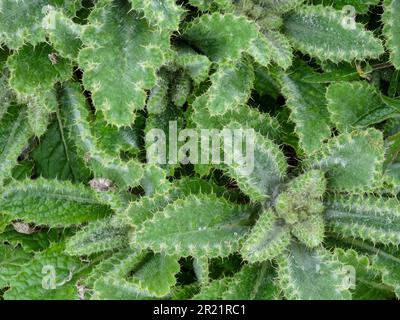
(86, 214)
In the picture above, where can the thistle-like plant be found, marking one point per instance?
(85, 214)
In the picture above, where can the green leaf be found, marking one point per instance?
(392, 178)
(280, 6)
(278, 47)
(36, 86)
(230, 87)
(7, 96)
(392, 102)
(164, 14)
(210, 5)
(368, 282)
(20, 21)
(201, 267)
(350, 102)
(11, 262)
(269, 169)
(248, 117)
(252, 282)
(322, 33)
(343, 73)
(34, 242)
(50, 202)
(305, 274)
(196, 65)
(185, 292)
(50, 275)
(181, 89)
(385, 260)
(144, 208)
(133, 55)
(98, 236)
(307, 104)
(14, 138)
(43, 72)
(63, 33)
(114, 288)
(56, 157)
(155, 181)
(391, 32)
(202, 225)
(221, 37)
(113, 140)
(40, 106)
(361, 6)
(214, 290)
(23, 170)
(116, 282)
(157, 275)
(368, 218)
(74, 110)
(107, 264)
(353, 161)
(158, 97)
(268, 239)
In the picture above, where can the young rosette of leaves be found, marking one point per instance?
(20, 21)
(312, 274)
(302, 198)
(268, 239)
(51, 203)
(352, 161)
(119, 44)
(298, 211)
(308, 209)
(366, 217)
(322, 33)
(391, 31)
(198, 225)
